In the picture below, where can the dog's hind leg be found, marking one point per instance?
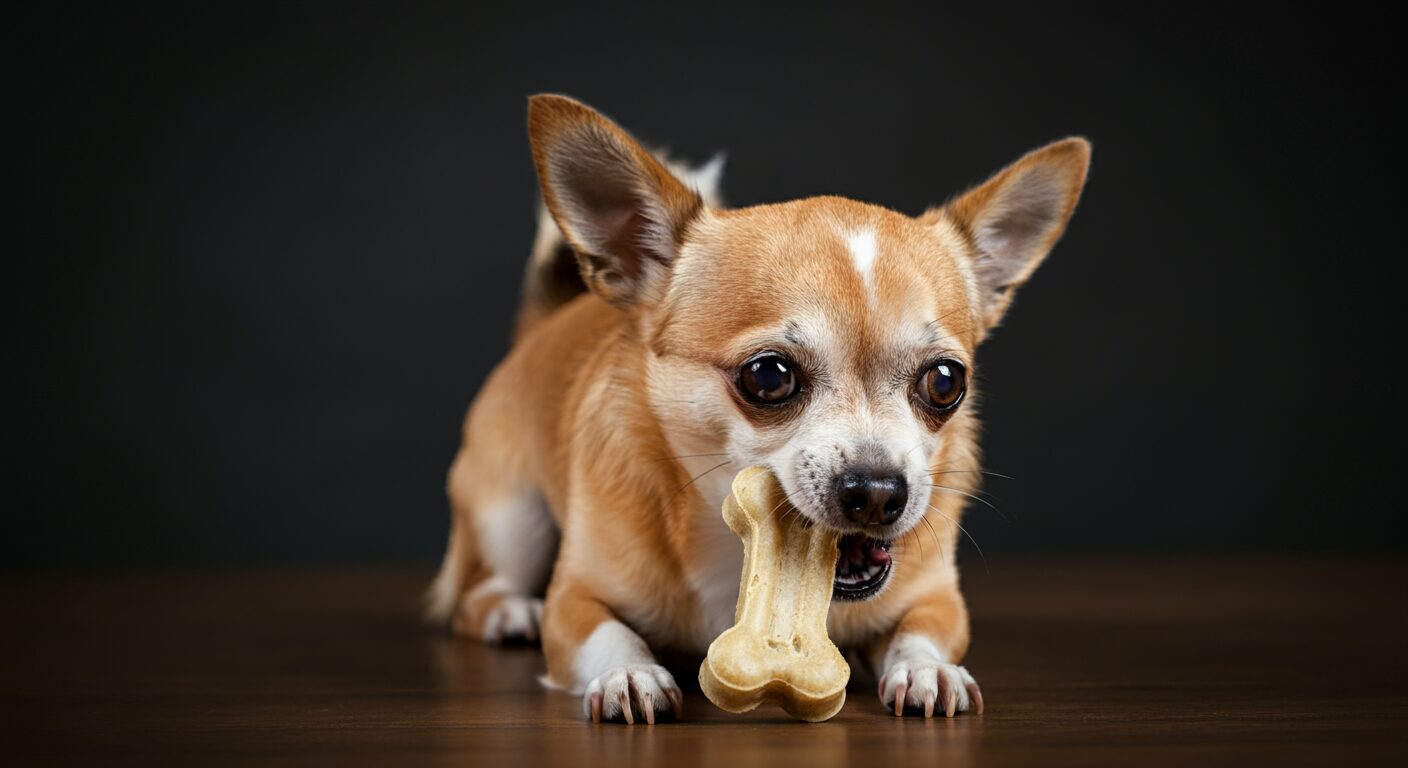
(502, 545)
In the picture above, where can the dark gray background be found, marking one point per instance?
(269, 254)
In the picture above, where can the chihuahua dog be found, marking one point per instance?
(829, 340)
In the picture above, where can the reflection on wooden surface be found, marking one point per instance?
(1105, 663)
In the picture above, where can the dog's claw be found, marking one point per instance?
(976, 696)
(632, 693)
(929, 686)
(626, 708)
(676, 699)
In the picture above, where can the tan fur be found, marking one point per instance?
(597, 404)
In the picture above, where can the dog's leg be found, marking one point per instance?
(916, 664)
(502, 542)
(591, 653)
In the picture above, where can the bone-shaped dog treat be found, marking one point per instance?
(777, 649)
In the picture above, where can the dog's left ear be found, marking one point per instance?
(619, 207)
(1013, 219)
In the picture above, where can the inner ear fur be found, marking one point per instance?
(622, 211)
(1013, 219)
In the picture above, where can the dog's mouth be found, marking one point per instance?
(862, 568)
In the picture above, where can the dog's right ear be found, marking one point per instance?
(621, 210)
(1013, 219)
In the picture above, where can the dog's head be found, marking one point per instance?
(827, 339)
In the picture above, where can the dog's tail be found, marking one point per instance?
(553, 277)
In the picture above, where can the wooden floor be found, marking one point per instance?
(1221, 663)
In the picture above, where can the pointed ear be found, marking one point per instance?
(621, 210)
(1013, 219)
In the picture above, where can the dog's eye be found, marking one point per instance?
(943, 384)
(768, 380)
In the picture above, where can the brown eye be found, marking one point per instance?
(768, 379)
(943, 384)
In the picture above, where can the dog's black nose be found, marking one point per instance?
(871, 498)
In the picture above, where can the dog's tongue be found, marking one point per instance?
(859, 550)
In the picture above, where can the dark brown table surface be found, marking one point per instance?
(1091, 663)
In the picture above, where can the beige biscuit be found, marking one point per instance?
(778, 649)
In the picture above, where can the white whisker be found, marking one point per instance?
(965, 533)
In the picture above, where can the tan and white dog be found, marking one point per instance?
(830, 340)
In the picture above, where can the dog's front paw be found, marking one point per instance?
(921, 685)
(633, 691)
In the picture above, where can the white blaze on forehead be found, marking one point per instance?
(862, 245)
